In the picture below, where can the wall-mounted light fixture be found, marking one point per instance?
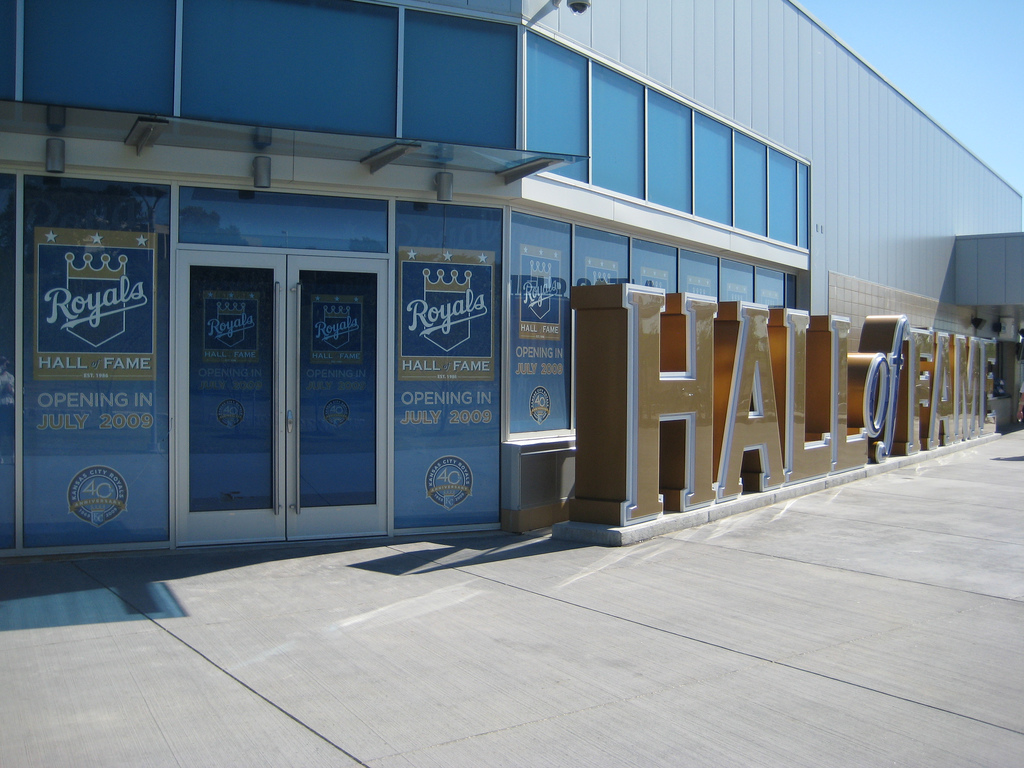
(261, 172)
(977, 322)
(55, 155)
(444, 181)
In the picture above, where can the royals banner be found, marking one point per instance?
(94, 305)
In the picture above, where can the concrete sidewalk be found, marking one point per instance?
(877, 623)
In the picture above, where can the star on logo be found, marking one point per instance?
(483, 258)
(412, 255)
(51, 236)
(97, 238)
(142, 240)
(447, 255)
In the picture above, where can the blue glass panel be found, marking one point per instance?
(231, 339)
(448, 382)
(556, 102)
(338, 337)
(669, 153)
(618, 133)
(304, 64)
(802, 205)
(770, 287)
(460, 80)
(782, 195)
(654, 265)
(8, 47)
(95, 383)
(600, 257)
(751, 185)
(698, 273)
(737, 281)
(110, 54)
(712, 169)
(7, 278)
(790, 290)
(540, 327)
(276, 220)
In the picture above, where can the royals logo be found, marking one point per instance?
(449, 305)
(97, 495)
(449, 481)
(447, 324)
(336, 329)
(94, 305)
(230, 326)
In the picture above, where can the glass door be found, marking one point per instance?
(280, 425)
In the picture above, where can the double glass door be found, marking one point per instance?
(281, 430)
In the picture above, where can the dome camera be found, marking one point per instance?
(579, 6)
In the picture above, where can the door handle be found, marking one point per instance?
(290, 421)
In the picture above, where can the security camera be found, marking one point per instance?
(579, 6)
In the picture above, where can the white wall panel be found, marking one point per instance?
(791, 77)
(683, 48)
(759, 55)
(725, 58)
(659, 52)
(704, 52)
(607, 27)
(633, 38)
(743, 71)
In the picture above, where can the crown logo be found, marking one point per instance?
(102, 272)
(340, 310)
(540, 268)
(452, 283)
(230, 307)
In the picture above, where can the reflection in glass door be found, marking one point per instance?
(284, 435)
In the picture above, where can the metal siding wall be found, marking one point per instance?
(659, 53)
(743, 100)
(759, 76)
(704, 52)
(1015, 270)
(991, 264)
(966, 272)
(725, 58)
(683, 49)
(634, 40)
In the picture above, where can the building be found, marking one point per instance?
(281, 270)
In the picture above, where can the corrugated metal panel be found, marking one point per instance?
(634, 41)
(659, 52)
(991, 287)
(725, 57)
(967, 272)
(607, 28)
(744, 69)
(704, 52)
(683, 49)
(1015, 270)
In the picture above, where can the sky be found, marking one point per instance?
(960, 61)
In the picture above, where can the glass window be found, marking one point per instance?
(737, 281)
(540, 343)
(669, 153)
(654, 265)
(770, 287)
(112, 54)
(698, 273)
(7, 283)
(556, 102)
(782, 197)
(448, 382)
(460, 80)
(95, 383)
(8, 47)
(802, 205)
(277, 220)
(241, 63)
(618, 133)
(600, 257)
(712, 169)
(751, 185)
